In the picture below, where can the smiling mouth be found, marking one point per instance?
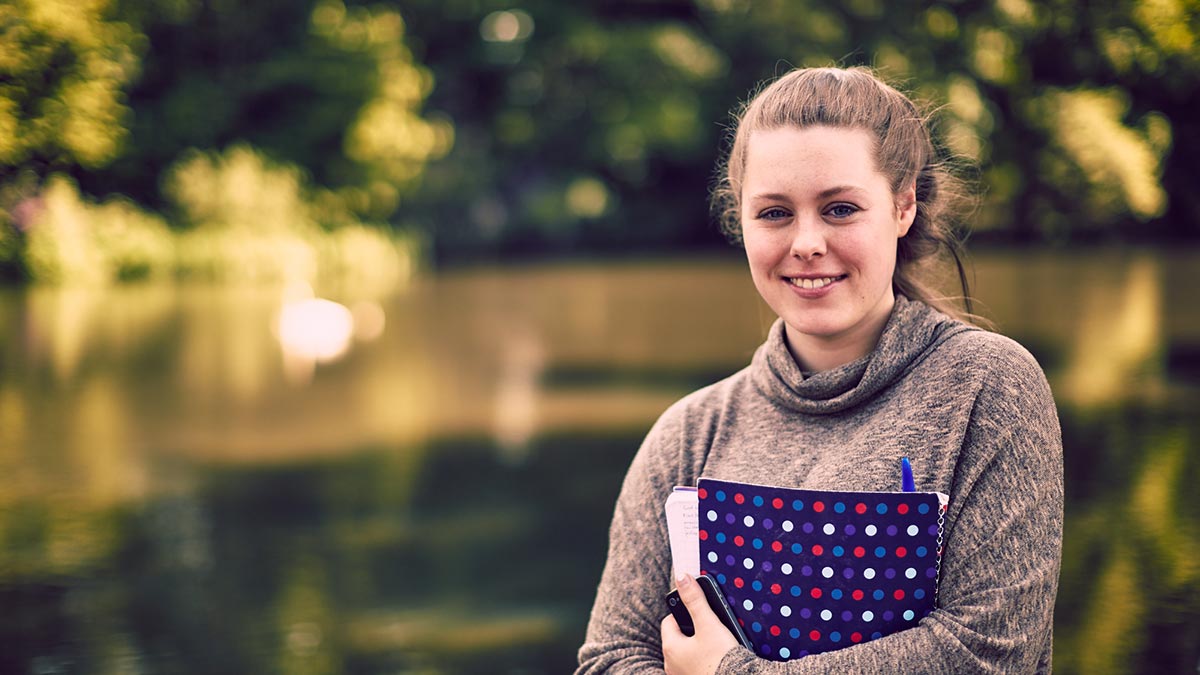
(820, 282)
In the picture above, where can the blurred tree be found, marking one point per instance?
(330, 88)
(594, 126)
(63, 67)
(1077, 115)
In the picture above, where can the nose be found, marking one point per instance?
(808, 239)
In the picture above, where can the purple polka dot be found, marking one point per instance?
(849, 529)
(891, 530)
(931, 572)
(847, 615)
(933, 530)
(768, 523)
(766, 566)
(729, 560)
(888, 615)
(808, 528)
(805, 613)
(806, 571)
(848, 572)
(766, 608)
(889, 573)
(729, 518)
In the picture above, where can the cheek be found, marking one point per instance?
(759, 255)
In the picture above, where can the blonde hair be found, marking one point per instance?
(904, 152)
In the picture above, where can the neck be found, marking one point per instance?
(817, 353)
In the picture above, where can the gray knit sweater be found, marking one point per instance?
(974, 413)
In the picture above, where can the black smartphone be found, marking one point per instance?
(716, 600)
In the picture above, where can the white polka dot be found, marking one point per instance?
(827, 572)
(712, 556)
(826, 614)
(913, 530)
(829, 528)
(785, 611)
(712, 515)
(787, 526)
(748, 564)
(870, 530)
(869, 573)
(749, 605)
(749, 521)
(868, 615)
(910, 573)
(908, 615)
(784, 652)
(786, 568)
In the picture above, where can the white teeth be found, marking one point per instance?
(812, 283)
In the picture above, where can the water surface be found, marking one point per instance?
(184, 489)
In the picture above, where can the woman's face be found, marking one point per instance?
(820, 226)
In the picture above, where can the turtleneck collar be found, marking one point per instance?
(913, 330)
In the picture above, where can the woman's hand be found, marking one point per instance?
(701, 653)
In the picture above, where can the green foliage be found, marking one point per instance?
(562, 127)
(72, 240)
(247, 219)
(244, 220)
(63, 67)
(1079, 117)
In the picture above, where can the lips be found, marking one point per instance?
(810, 282)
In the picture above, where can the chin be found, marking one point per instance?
(818, 328)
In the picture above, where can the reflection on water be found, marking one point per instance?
(422, 483)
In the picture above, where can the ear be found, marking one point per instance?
(906, 209)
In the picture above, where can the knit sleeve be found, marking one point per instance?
(624, 633)
(999, 575)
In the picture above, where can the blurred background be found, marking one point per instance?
(328, 329)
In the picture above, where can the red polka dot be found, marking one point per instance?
(859, 551)
(818, 506)
(857, 594)
(815, 635)
(776, 546)
(856, 637)
(703, 535)
(901, 551)
(817, 549)
(703, 493)
(776, 589)
(742, 623)
(739, 498)
(902, 509)
(775, 630)
(860, 508)
(777, 503)
(816, 592)
(738, 541)
(899, 594)
(737, 581)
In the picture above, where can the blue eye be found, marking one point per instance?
(774, 213)
(842, 210)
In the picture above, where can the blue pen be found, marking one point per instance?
(906, 478)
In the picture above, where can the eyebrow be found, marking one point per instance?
(823, 194)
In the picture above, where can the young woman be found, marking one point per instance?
(833, 186)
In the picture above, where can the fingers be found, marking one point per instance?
(670, 628)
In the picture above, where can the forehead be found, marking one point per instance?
(806, 155)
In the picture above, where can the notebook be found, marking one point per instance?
(810, 571)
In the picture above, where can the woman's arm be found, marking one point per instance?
(623, 633)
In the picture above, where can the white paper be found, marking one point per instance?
(683, 530)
